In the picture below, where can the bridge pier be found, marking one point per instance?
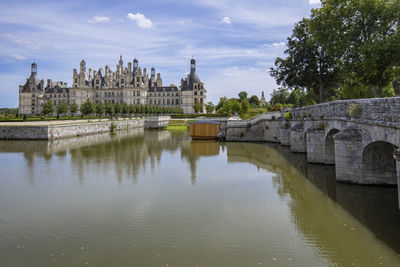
(315, 145)
(298, 141)
(284, 134)
(348, 156)
(396, 156)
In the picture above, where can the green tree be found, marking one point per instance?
(242, 96)
(210, 107)
(87, 108)
(100, 109)
(244, 108)
(254, 101)
(73, 108)
(364, 35)
(307, 65)
(125, 108)
(279, 96)
(221, 102)
(62, 108)
(110, 109)
(117, 108)
(48, 108)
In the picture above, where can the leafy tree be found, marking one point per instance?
(244, 107)
(48, 108)
(110, 109)
(100, 109)
(364, 36)
(87, 108)
(210, 107)
(307, 65)
(279, 96)
(73, 108)
(125, 108)
(221, 102)
(197, 107)
(254, 101)
(117, 108)
(62, 108)
(242, 96)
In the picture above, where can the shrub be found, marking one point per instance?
(355, 111)
(113, 127)
(277, 107)
(288, 115)
(321, 126)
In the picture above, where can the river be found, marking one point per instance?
(157, 198)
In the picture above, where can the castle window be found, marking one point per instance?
(97, 81)
(76, 86)
(195, 93)
(151, 102)
(177, 94)
(163, 101)
(151, 94)
(201, 86)
(195, 86)
(176, 102)
(168, 102)
(201, 93)
(138, 101)
(138, 93)
(168, 94)
(112, 94)
(122, 81)
(201, 100)
(76, 80)
(159, 101)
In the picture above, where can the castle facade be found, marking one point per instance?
(129, 84)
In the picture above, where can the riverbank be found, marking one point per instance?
(50, 130)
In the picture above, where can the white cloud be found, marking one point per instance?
(275, 45)
(141, 20)
(99, 19)
(18, 57)
(314, 2)
(226, 20)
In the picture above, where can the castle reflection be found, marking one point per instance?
(314, 216)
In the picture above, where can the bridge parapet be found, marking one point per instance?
(385, 110)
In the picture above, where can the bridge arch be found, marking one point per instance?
(330, 146)
(378, 164)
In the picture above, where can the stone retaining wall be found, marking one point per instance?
(375, 109)
(51, 132)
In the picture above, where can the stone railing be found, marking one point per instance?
(373, 109)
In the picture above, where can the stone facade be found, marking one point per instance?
(128, 85)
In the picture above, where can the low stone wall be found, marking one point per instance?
(156, 122)
(375, 109)
(51, 132)
(24, 132)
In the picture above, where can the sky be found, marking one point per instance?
(234, 42)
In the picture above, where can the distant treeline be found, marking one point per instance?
(8, 110)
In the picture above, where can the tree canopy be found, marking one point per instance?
(346, 49)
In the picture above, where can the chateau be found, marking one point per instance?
(129, 84)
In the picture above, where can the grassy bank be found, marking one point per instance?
(177, 125)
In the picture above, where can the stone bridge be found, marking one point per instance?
(362, 146)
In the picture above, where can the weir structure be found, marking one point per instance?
(363, 145)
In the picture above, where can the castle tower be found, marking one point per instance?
(135, 65)
(33, 69)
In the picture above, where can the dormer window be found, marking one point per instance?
(97, 82)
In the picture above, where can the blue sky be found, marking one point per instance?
(234, 42)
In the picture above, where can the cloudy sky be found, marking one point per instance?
(234, 41)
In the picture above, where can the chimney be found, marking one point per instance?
(129, 67)
(49, 83)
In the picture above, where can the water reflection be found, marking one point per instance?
(332, 234)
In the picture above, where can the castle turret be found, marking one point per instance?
(135, 65)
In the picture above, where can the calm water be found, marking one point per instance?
(157, 198)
